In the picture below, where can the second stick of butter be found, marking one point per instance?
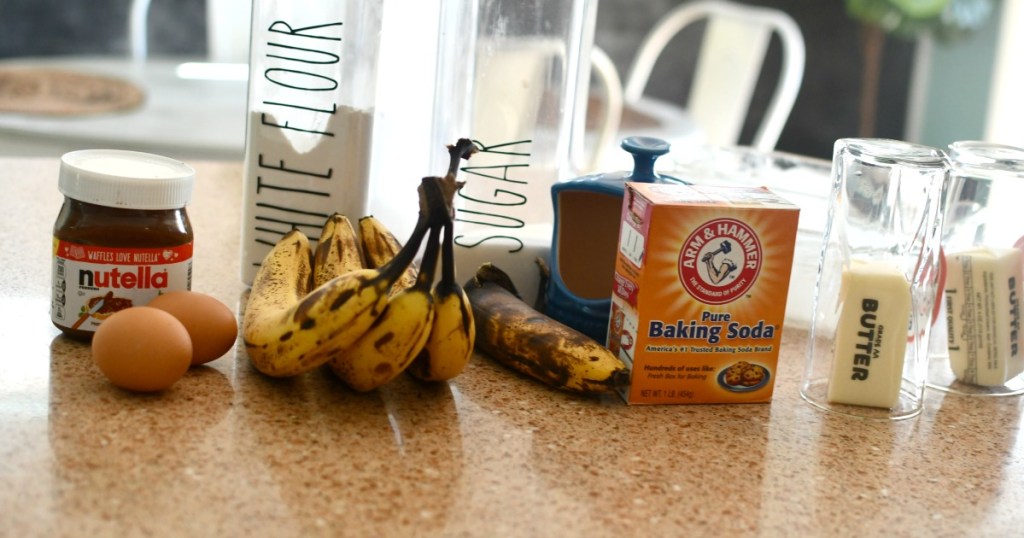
(871, 336)
(983, 287)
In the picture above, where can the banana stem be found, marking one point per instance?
(448, 255)
(462, 149)
(433, 214)
(438, 203)
(447, 186)
(436, 210)
(394, 268)
(488, 273)
(426, 276)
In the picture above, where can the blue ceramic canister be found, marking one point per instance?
(584, 245)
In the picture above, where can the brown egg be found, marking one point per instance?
(210, 323)
(142, 349)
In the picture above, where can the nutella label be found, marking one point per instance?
(92, 282)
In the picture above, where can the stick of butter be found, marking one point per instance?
(871, 336)
(983, 289)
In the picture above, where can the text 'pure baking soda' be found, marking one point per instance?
(699, 299)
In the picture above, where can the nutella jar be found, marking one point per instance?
(122, 236)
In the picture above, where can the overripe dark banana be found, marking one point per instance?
(528, 341)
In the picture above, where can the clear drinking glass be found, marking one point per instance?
(877, 280)
(977, 346)
(510, 74)
(312, 90)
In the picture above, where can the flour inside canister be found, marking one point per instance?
(301, 167)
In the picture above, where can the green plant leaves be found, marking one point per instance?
(947, 20)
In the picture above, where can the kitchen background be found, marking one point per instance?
(953, 97)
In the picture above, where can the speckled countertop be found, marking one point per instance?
(229, 452)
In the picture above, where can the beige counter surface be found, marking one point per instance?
(229, 452)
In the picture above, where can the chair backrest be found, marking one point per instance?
(138, 34)
(732, 52)
(607, 132)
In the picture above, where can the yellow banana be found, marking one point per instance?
(450, 345)
(524, 339)
(337, 252)
(288, 332)
(396, 337)
(288, 329)
(284, 277)
(380, 246)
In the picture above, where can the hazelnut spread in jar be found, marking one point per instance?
(122, 236)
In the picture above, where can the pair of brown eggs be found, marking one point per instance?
(149, 348)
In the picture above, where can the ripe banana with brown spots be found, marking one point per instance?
(338, 250)
(396, 337)
(283, 279)
(287, 332)
(380, 246)
(528, 341)
(288, 329)
(450, 345)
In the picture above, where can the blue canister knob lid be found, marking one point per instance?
(645, 151)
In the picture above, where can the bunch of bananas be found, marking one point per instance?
(362, 306)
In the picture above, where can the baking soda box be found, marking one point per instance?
(699, 298)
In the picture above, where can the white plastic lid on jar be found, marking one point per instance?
(125, 179)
